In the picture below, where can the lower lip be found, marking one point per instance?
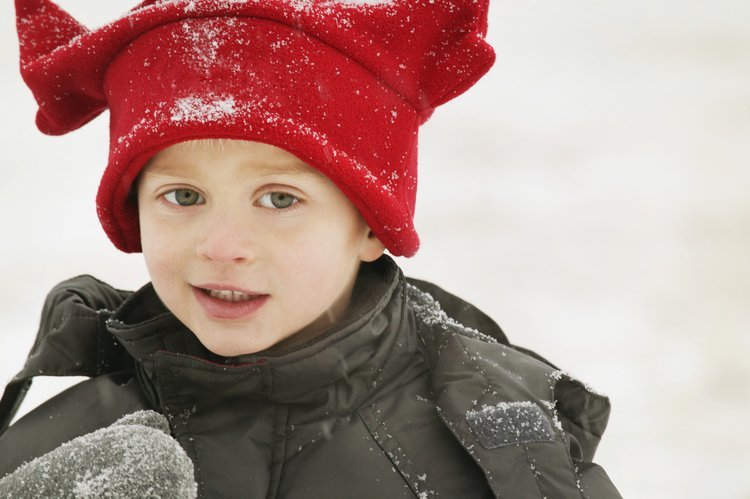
(222, 309)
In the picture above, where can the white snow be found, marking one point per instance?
(326, 4)
(590, 195)
(428, 309)
(509, 423)
(93, 485)
(203, 109)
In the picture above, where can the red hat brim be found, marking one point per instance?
(255, 79)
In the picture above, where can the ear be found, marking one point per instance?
(372, 248)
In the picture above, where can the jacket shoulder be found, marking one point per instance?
(83, 408)
(459, 310)
(72, 339)
(455, 342)
(509, 407)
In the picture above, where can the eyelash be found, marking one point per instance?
(174, 202)
(294, 205)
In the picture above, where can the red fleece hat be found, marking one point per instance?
(342, 84)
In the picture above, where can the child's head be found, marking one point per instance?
(324, 100)
(221, 216)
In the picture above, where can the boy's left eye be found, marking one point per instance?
(277, 200)
(183, 197)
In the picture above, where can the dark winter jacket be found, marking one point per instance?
(416, 393)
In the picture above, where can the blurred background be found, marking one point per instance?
(591, 193)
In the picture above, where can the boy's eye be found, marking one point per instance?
(183, 197)
(277, 200)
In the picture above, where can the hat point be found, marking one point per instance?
(42, 27)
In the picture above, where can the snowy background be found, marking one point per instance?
(591, 193)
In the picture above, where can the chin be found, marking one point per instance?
(237, 339)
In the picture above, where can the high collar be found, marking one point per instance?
(334, 372)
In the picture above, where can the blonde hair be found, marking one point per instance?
(217, 144)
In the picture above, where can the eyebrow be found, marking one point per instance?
(166, 168)
(297, 168)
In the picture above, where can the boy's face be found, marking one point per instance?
(247, 245)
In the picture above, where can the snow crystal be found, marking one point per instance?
(553, 409)
(307, 5)
(354, 3)
(508, 423)
(204, 39)
(134, 129)
(93, 485)
(428, 310)
(326, 430)
(197, 108)
(559, 374)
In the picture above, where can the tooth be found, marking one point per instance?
(228, 295)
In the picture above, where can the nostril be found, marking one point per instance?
(224, 238)
(223, 251)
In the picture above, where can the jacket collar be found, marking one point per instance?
(334, 373)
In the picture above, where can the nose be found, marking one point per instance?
(224, 240)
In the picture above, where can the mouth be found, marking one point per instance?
(222, 302)
(229, 295)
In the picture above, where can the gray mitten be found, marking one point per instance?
(134, 457)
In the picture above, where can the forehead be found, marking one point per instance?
(193, 156)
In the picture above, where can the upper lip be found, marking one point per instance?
(227, 287)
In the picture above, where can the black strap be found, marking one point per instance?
(14, 394)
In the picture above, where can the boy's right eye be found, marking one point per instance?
(184, 197)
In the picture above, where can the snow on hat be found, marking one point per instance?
(342, 84)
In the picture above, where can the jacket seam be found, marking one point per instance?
(477, 367)
(278, 450)
(183, 435)
(100, 360)
(486, 470)
(574, 471)
(389, 356)
(533, 471)
(397, 464)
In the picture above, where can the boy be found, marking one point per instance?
(263, 157)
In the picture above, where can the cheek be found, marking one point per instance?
(317, 267)
(297, 264)
(163, 264)
(321, 248)
(158, 266)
